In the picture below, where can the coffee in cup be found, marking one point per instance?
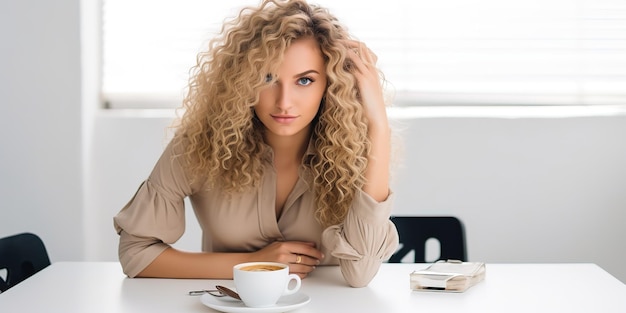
(261, 284)
(261, 268)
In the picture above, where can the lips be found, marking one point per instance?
(284, 119)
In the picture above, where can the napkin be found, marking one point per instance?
(450, 275)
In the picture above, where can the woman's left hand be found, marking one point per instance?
(369, 82)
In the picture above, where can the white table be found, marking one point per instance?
(73, 287)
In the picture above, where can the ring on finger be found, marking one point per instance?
(298, 259)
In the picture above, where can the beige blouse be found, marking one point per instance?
(245, 222)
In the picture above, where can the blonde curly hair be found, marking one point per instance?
(222, 141)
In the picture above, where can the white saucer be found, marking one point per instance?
(284, 304)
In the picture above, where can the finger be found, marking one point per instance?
(302, 264)
(352, 43)
(307, 253)
(353, 48)
(302, 271)
(305, 260)
(303, 247)
(362, 64)
(302, 275)
(301, 268)
(358, 62)
(361, 50)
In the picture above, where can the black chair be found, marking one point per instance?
(21, 256)
(414, 231)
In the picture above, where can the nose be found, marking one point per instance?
(283, 97)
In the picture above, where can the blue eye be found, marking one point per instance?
(268, 78)
(304, 81)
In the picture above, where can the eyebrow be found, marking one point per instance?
(305, 72)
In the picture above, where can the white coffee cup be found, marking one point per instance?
(261, 284)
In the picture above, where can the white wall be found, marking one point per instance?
(528, 189)
(40, 124)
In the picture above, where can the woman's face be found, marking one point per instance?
(288, 106)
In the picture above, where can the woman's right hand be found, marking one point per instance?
(302, 257)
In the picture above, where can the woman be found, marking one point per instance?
(283, 151)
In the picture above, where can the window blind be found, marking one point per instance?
(444, 52)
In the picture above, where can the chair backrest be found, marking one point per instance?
(414, 231)
(21, 256)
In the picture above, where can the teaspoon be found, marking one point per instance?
(229, 292)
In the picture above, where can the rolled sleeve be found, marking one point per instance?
(364, 240)
(155, 216)
(147, 225)
(136, 253)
